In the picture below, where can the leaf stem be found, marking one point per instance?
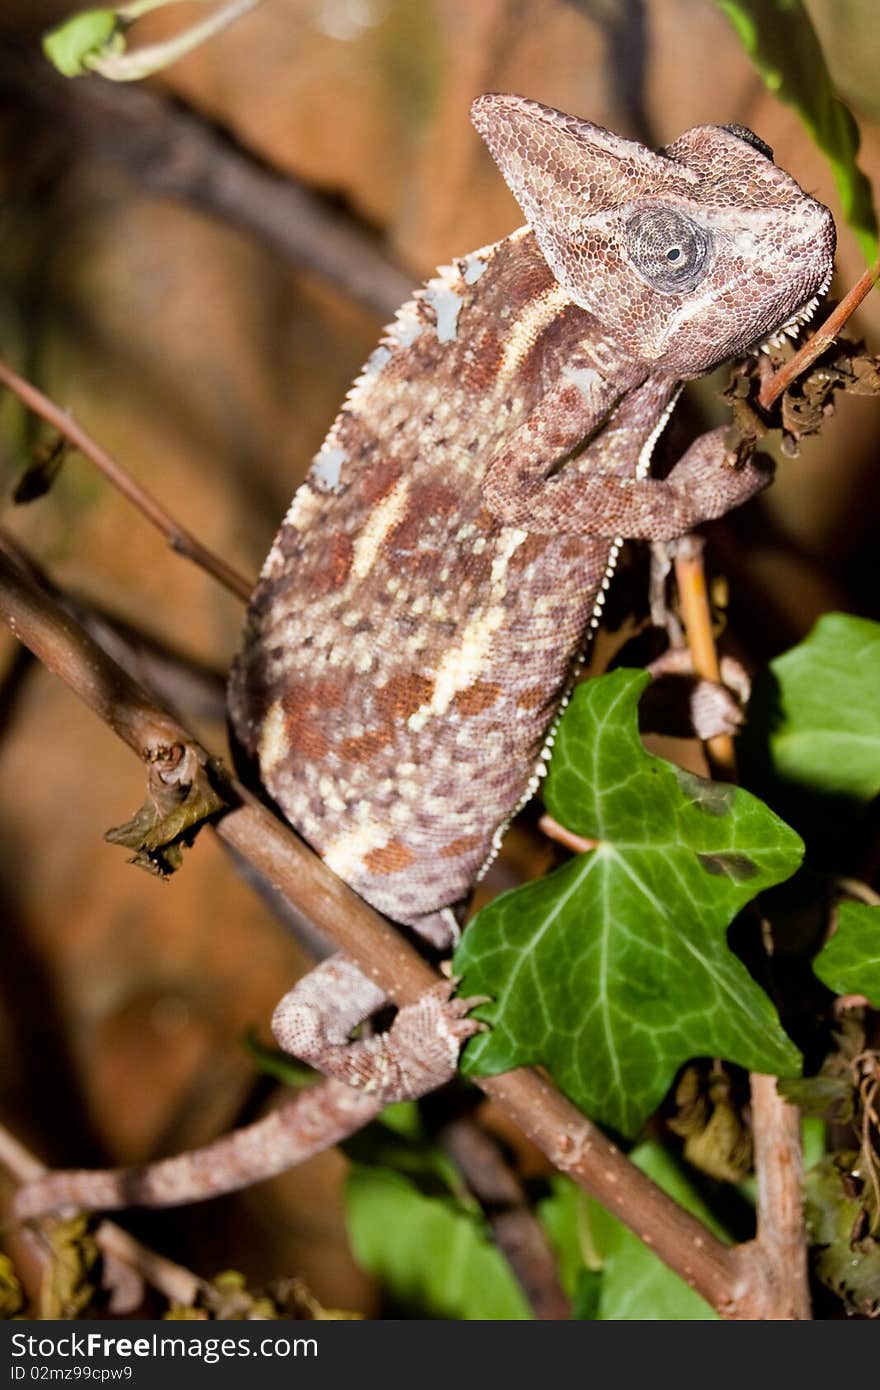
(579, 844)
(142, 62)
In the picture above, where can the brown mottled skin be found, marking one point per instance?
(419, 618)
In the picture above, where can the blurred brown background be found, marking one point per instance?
(212, 363)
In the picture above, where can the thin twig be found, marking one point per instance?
(178, 1284)
(779, 1253)
(571, 1142)
(855, 888)
(177, 537)
(697, 617)
(142, 62)
(773, 385)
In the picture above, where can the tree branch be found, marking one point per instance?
(777, 382)
(176, 535)
(571, 1142)
(779, 1167)
(517, 1230)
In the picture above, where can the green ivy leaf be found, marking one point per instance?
(780, 39)
(432, 1255)
(850, 962)
(815, 716)
(79, 38)
(615, 969)
(633, 1282)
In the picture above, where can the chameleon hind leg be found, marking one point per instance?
(418, 1053)
(713, 707)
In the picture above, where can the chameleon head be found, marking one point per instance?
(688, 256)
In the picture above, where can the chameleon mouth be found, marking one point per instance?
(793, 325)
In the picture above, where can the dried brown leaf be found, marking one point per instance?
(181, 797)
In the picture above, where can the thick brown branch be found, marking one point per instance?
(570, 1141)
(177, 537)
(779, 1168)
(173, 678)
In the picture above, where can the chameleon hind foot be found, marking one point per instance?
(418, 1053)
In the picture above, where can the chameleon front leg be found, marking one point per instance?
(417, 1054)
(586, 499)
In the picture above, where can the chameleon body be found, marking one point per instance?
(422, 610)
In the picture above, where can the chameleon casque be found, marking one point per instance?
(421, 614)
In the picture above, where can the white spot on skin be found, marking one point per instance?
(327, 466)
(306, 505)
(274, 743)
(446, 304)
(376, 361)
(345, 854)
(586, 379)
(474, 265)
(406, 327)
(378, 525)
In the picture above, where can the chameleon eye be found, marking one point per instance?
(668, 250)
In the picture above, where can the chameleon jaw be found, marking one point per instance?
(793, 325)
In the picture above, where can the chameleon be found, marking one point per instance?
(424, 610)
(421, 616)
